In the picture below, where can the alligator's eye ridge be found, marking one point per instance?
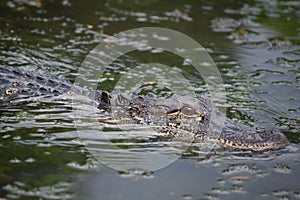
(158, 110)
(187, 110)
(173, 112)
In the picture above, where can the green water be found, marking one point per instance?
(255, 45)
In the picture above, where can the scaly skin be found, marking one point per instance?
(183, 113)
(170, 115)
(16, 86)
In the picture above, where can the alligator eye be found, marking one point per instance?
(186, 110)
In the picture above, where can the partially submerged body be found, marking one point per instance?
(169, 115)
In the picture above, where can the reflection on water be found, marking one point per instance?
(255, 44)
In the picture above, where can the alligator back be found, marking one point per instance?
(17, 86)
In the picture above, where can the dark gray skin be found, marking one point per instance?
(170, 115)
(17, 87)
(196, 117)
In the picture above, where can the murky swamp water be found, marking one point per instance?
(255, 45)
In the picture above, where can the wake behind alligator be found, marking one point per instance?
(18, 88)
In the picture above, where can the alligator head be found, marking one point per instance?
(175, 114)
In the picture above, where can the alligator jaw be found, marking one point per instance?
(253, 139)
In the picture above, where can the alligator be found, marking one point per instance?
(166, 115)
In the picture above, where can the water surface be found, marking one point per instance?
(255, 45)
